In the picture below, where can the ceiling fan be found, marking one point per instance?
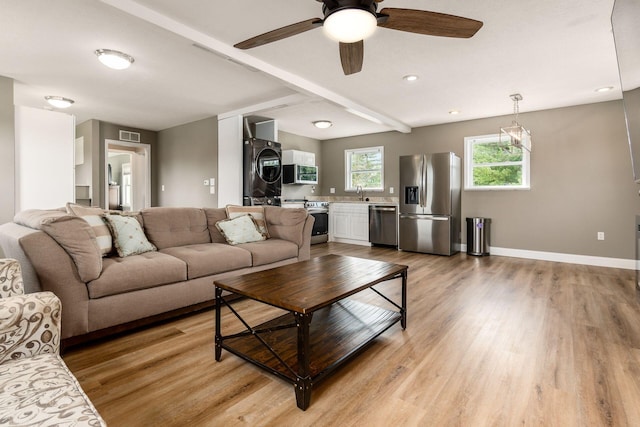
(351, 21)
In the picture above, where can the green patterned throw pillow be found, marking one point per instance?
(128, 237)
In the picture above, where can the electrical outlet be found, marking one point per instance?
(332, 190)
(600, 235)
(162, 188)
(390, 190)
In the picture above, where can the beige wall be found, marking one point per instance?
(295, 142)
(581, 179)
(7, 150)
(186, 155)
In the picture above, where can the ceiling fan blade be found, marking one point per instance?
(351, 56)
(429, 23)
(280, 33)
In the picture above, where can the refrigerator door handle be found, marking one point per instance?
(423, 184)
(425, 217)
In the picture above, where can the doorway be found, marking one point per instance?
(128, 175)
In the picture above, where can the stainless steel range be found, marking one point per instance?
(320, 211)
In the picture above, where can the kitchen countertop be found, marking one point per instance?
(347, 199)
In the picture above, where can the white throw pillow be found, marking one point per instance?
(128, 237)
(241, 229)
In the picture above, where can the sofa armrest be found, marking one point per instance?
(304, 253)
(57, 273)
(29, 325)
(10, 235)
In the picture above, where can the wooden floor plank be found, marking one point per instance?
(490, 341)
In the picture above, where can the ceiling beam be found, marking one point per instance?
(289, 79)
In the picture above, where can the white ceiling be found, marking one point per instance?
(555, 53)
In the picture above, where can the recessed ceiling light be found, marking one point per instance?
(604, 89)
(114, 59)
(59, 101)
(454, 112)
(410, 78)
(322, 124)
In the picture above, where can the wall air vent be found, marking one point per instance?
(125, 135)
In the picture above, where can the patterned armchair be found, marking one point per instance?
(36, 387)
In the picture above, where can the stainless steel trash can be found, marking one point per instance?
(478, 236)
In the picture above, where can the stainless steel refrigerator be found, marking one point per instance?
(429, 217)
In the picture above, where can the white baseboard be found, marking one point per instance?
(627, 264)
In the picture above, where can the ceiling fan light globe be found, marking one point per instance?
(350, 25)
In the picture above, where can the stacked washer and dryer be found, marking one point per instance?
(262, 171)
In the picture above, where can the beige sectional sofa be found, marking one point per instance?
(103, 295)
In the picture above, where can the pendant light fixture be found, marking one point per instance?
(516, 135)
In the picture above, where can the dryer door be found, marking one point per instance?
(268, 165)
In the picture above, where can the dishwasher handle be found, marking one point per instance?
(381, 209)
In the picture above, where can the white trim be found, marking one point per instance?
(469, 143)
(627, 264)
(348, 153)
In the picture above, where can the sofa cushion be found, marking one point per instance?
(214, 215)
(257, 212)
(210, 258)
(94, 217)
(128, 237)
(142, 271)
(78, 239)
(41, 391)
(268, 251)
(287, 224)
(169, 227)
(33, 218)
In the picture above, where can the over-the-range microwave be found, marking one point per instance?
(299, 174)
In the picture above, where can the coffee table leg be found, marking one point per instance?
(303, 381)
(403, 312)
(218, 338)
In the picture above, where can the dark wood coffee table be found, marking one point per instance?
(323, 328)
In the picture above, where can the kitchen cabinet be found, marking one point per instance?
(297, 157)
(349, 223)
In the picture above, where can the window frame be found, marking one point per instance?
(348, 185)
(469, 143)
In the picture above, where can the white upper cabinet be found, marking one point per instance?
(296, 157)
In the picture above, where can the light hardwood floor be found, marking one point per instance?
(492, 341)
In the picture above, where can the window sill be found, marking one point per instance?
(498, 189)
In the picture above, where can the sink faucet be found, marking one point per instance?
(361, 192)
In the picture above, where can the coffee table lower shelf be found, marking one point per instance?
(336, 333)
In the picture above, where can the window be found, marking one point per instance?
(491, 164)
(365, 168)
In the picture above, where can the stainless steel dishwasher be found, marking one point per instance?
(383, 228)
